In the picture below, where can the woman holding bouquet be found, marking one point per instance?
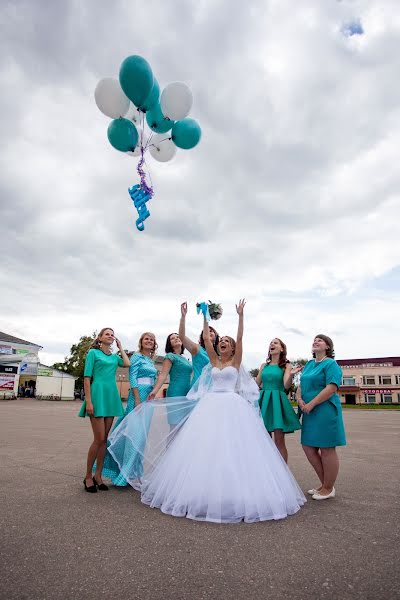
(197, 350)
(219, 466)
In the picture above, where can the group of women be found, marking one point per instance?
(221, 456)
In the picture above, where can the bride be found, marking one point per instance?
(218, 464)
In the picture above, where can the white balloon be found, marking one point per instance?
(162, 148)
(110, 98)
(134, 115)
(137, 150)
(176, 101)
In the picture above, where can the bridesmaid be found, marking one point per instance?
(322, 426)
(180, 372)
(142, 375)
(199, 355)
(102, 401)
(274, 377)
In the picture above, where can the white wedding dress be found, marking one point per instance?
(221, 466)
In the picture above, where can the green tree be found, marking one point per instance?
(254, 372)
(74, 364)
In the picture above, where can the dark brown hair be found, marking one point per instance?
(283, 361)
(168, 345)
(216, 341)
(153, 352)
(330, 352)
(96, 342)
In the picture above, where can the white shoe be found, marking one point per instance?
(319, 496)
(312, 491)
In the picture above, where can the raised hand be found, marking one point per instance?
(240, 307)
(119, 345)
(296, 370)
(184, 309)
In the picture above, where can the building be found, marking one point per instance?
(22, 373)
(370, 380)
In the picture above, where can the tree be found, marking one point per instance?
(74, 364)
(254, 372)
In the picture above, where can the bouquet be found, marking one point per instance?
(210, 311)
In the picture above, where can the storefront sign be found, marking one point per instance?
(8, 369)
(7, 382)
(6, 350)
(21, 351)
(378, 391)
(28, 368)
(44, 372)
(366, 365)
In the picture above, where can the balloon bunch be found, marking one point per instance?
(136, 101)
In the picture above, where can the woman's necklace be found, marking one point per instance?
(319, 361)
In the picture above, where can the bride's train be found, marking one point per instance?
(218, 464)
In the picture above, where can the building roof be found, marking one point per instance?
(6, 337)
(386, 360)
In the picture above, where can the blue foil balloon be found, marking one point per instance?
(156, 120)
(186, 134)
(122, 134)
(152, 99)
(136, 78)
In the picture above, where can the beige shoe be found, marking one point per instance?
(312, 491)
(319, 496)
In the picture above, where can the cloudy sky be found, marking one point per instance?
(291, 199)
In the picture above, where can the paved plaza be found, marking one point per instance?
(58, 542)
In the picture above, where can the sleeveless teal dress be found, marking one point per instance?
(276, 410)
(323, 426)
(103, 388)
(199, 361)
(142, 368)
(179, 384)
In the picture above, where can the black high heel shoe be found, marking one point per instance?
(92, 489)
(102, 486)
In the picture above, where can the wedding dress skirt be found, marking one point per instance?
(220, 465)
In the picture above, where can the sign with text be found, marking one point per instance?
(6, 350)
(44, 372)
(7, 382)
(8, 369)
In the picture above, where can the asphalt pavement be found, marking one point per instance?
(58, 542)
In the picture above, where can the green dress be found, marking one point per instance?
(103, 388)
(323, 426)
(199, 360)
(276, 410)
(179, 385)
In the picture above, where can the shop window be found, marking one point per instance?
(385, 379)
(397, 379)
(369, 380)
(370, 398)
(387, 398)
(349, 381)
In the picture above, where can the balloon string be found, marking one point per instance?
(143, 184)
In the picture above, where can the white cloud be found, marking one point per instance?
(291, 199)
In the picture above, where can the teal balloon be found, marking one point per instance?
(156, 121)
(136, 79)
(152, 99)
(186, 134)
(122, 134)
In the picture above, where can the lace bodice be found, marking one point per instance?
(224, 380)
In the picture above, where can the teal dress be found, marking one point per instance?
(179, 384)
(142, 375)
(103, 388)
(199, 361)
(323, 426)
(276, 410)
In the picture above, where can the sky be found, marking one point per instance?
(291, 199)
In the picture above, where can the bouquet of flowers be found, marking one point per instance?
(210, 311)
